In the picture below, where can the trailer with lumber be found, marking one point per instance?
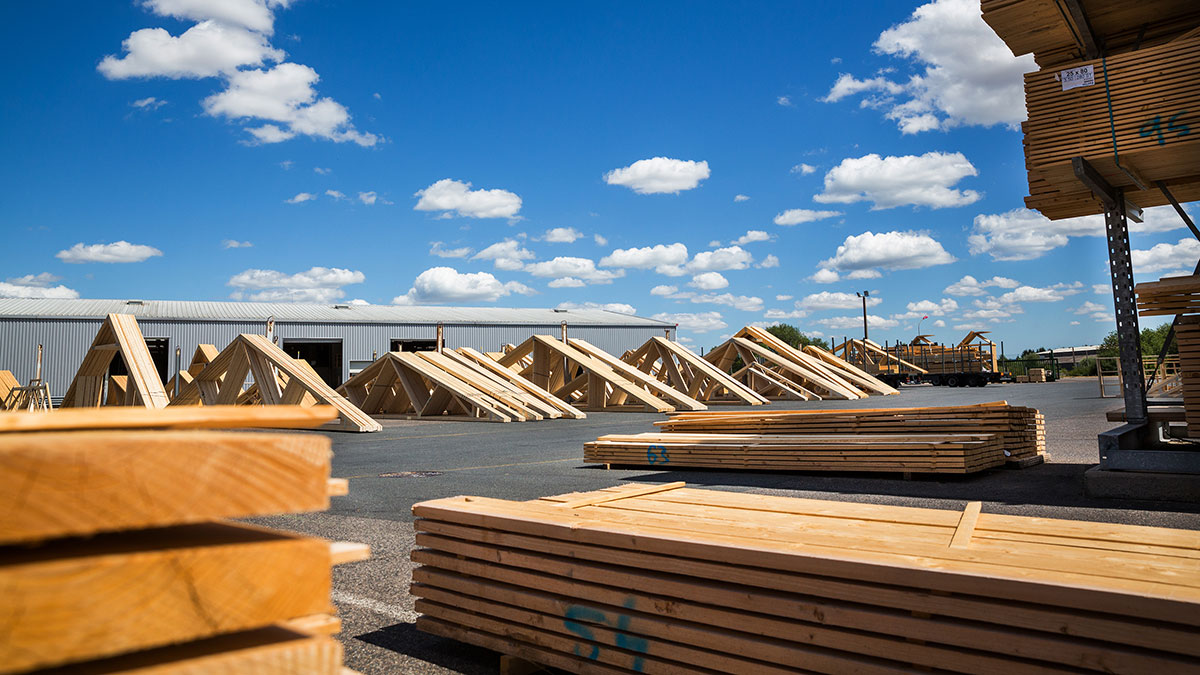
(972, 362)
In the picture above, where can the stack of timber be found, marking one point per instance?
(1187, 333)
(1132, 114)
(1169, 295)
(684, 370)
(666, 579)
(278, 380)
(118, 335)
(592, 379)
(1037, 374)
(776, 370)
(1051, 31)
(1021, 431)
(432, 384)
(115, 554)
(918, 453)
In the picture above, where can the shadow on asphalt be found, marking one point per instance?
(404, 638)
(1049, 484)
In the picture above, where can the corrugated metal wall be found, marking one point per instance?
(65, 341)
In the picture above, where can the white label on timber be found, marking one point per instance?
(1082, 76)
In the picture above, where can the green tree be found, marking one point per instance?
(792, 335)
(1152, 342)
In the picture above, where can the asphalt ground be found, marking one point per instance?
(413, 461)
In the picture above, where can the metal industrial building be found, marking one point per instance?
(337, 339)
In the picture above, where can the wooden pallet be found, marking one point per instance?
(156, 583)
(667, 579)
(119, 334)
(1020, 430)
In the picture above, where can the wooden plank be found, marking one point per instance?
(208, 417)
(602, 498)
(70, 600)
(78, 483)
(273, 650)
(966, 526)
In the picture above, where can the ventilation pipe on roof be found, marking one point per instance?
(271, 328)
(439, 338)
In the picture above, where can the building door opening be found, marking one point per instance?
(325, 357)
(160, 352)
(414, 345)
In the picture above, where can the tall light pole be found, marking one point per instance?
(864, 295)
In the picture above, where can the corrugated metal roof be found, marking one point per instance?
(294, 312)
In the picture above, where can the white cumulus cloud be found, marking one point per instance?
(505, 255)
(1022, 234)
(448, 285)
(306, 197)
(804, 169)
(887, 250)
(721, 259)
(36, 286)
(367, 198)
(116, 252)
(567, 282)
(698, 322)
(317, 284)
(709, 281)
(856, 322)
(437, 249)
(1160, 257)
(208, 49)
(569, 266)
(659, 175)
(828, 300)
(741, 198)
(664, 290)
(662, 258)
(798, 216)
(752, 236)
(969, 285)
(887, 182)
(562, 235)
(452, 196)
(963, 74)
(618, 307)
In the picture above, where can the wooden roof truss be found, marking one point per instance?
(119, 334)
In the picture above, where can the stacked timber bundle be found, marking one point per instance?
(776, 370)
(666, 579)
(1021, 431)
(1037, 374)
(462, 383)
(115, 555)
(591, 379)
(682, 369)
(1187, 333)
(1117, 88)
(1169, 295)
(917, 453)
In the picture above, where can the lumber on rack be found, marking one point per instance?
(688, 580)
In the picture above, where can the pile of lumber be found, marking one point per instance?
(1187, 333)
(684, 370)
(1132, 114)
(115, 554)
(591, 379)
(1020, 430)
(959, 453)
(1037, 374)
(462, 383)
(1169, 295)
(776, 370)
(666, 579)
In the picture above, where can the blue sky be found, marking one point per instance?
(711, 164)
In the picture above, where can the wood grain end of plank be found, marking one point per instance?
(337, 487)
(344, 552)
(315, 624)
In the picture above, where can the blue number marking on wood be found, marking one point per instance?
(621, 624)
(659, 458)
(1154, 127)
(585, 614)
